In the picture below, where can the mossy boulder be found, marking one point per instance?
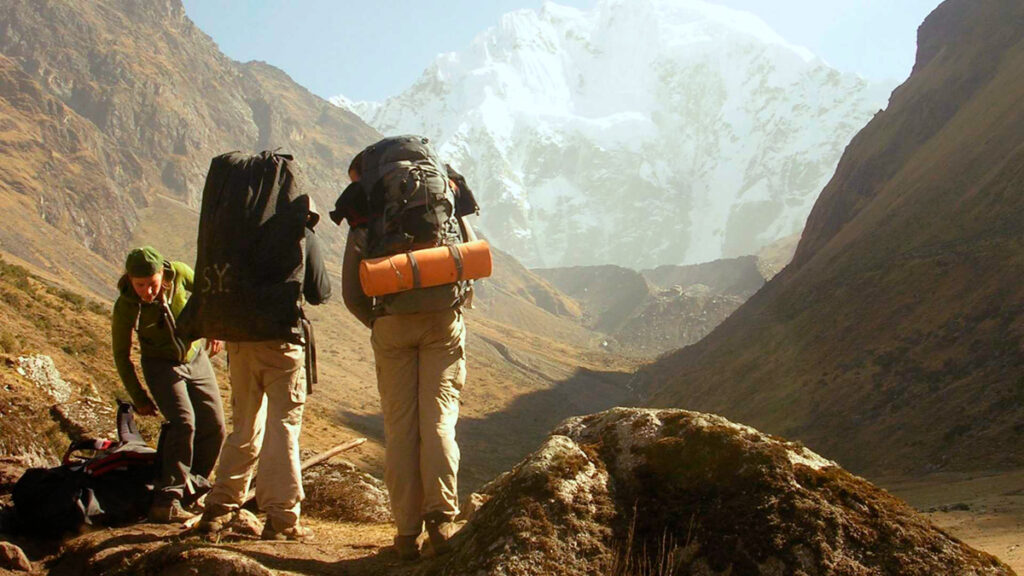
(695, 493)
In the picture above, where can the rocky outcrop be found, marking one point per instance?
(42, 372)
(700, 495)
(41, 411)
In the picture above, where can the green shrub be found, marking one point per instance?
(77, 301)
(16, 275)
(98, 308)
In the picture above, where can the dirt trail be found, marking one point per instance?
(984, 510)
(338, 548)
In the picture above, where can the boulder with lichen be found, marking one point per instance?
(694, 493)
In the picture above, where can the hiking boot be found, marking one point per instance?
(168, 513)
(408, 548)
(440, 529)
(215, 519)
(296, 533)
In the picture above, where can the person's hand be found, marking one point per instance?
(146, 408)
(214, 346)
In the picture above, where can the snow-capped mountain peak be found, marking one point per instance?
(639, 133)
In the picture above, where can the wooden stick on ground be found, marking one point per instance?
(309, 463)
(325, 456)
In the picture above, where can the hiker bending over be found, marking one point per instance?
(418, 336)
(178, 374)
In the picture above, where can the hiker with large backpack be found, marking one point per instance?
(258, 259)
(152, 294)
(402, 202)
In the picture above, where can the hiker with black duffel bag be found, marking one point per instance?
(406, 210)
(257, 259)
(177, 371)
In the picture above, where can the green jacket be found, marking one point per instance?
(157, 338)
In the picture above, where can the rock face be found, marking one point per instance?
(612, 491)
(893, 341)
(638, 133)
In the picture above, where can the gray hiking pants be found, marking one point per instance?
(189, 400)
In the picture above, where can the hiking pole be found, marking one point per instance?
(309, 463)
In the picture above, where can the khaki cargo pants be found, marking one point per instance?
(268, 392)
(421, 368)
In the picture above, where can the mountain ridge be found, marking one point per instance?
(712, 139)
(892, 342)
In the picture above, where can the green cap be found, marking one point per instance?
(142, 262)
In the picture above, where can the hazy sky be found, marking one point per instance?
(370, 50)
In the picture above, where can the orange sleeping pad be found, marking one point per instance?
(425, 268)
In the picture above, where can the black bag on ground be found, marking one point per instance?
(250, 257)
(411, 206)
(113, 486)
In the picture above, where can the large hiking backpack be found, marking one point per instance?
(411, 206)
(250, 257)
(112, 486)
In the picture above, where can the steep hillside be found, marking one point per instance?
(893, 342)
(62, 209)
(71, 330)
(116, 103)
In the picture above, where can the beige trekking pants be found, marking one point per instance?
(268, 392)
(421, 368)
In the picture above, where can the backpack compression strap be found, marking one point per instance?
(457, 256)
(416, 283)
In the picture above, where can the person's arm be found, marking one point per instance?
(316, 286)
(357, 302)
(187, 275)
(122, 321)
